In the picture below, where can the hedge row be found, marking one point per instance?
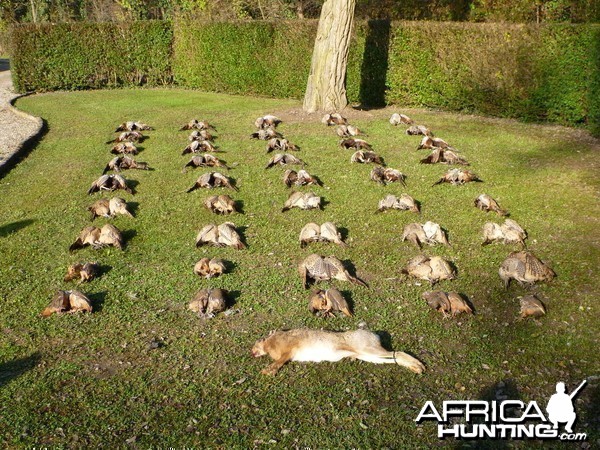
(531, 72)
(91, 55)
(261, 58)
(538, 73)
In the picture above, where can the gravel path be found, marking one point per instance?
(16, 127)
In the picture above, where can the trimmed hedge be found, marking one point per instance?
(91, 55)
(260, 58)
(538, 73)
(531, 72)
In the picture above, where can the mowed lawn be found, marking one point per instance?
(142, 370)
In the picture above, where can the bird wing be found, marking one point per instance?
(337, 301)
(79, 302)
(207, 235)
(229, 236)
(329, 232)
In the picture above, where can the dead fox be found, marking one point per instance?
(318, 345)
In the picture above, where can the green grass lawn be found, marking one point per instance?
(96, 380)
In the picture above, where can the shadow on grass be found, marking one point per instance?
(503, 390)
(348, 297)
(232, 298)
(352, 270)
(13, 227)
(239, 206)
(128, 235)
(133, 208)
(14, 369)
(98, 299)
(241, 230)
(230, 266)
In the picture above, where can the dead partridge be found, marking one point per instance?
(196, 124)
(445, 156)
(281, 144)
(266, 134)
(432, 142)
(119, 163)
(128, 136)
(458, 304)
(387, 175)
(327, 232)
(212, 180)
(100, 208)
(366, 157)
(201, 135)
(432, 269)
(345, 131)
(209, 268)
(397, 119)
(111, 182)
(510, 232)
(110, 236)
(434, 234)
(133, 126)
(525, 268)
(268, 121)
(438, 300)
(457, 176)
(328, 302)
(404, 203)
(486, 203)
(124, 148)
(334, 119)
(199, 146)
(355, 143)
(68, 301)
(302, 200)
(531, 306)
(87, 236)
(223, 235)
(284, 159)
(208, 302)
(205, 160)
(321, 268)
(84, 271)
(300, 178)
(220, 204)
(109, 208)
(415, 130)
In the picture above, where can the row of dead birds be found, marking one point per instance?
(72, 301)
(523, 266)
(207, 302)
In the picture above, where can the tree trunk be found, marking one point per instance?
(326, 87)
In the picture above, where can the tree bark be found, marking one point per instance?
(326, 87)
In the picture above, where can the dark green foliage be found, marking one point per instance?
(536, 73)
(91, 55)
(263, 58)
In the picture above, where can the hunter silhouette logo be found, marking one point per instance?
(560, 407)
(508, 419)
